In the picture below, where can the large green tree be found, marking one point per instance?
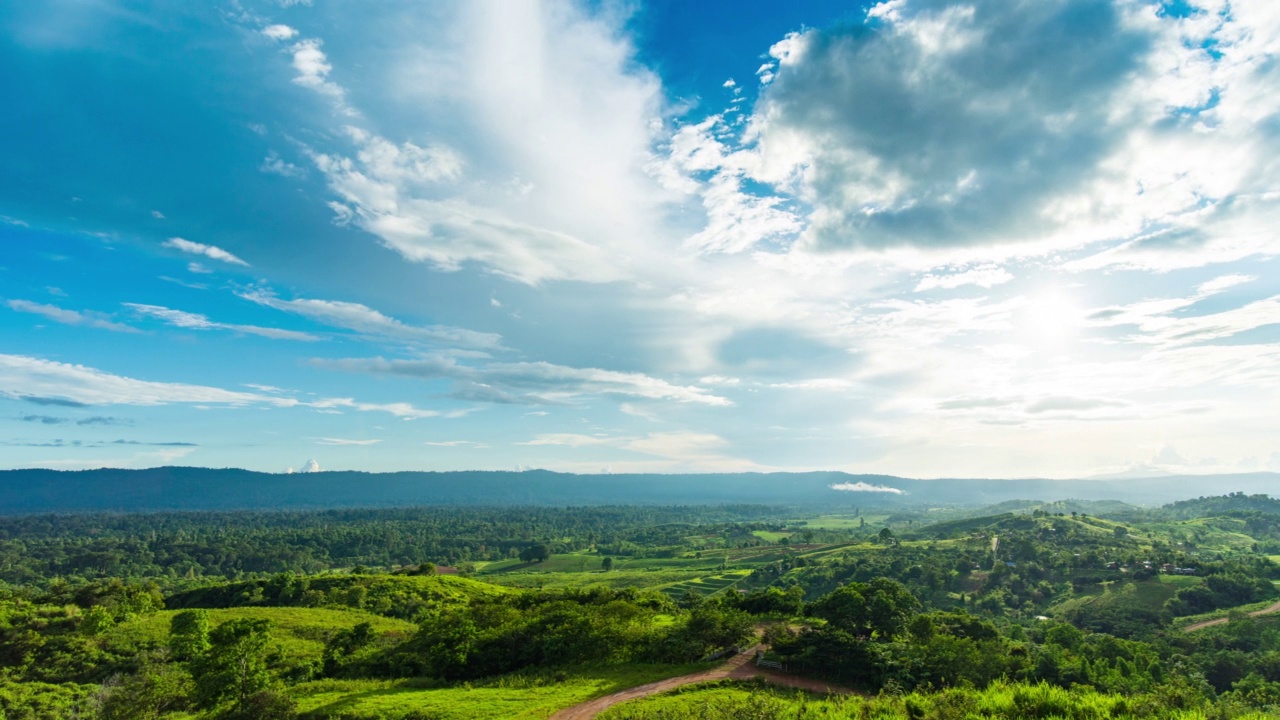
(189, 634)
(881, 608)
(235, 667)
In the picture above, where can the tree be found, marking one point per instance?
(606, 564)
(535, 553)
(156, 689)
(189, 634)
(235, 665)
(881, 607)
(340, 649)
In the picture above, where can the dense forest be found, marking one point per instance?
(445, 612)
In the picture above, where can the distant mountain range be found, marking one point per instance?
(188, 488)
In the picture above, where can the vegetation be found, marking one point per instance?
(1038, 611)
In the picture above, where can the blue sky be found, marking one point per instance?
(931, 238)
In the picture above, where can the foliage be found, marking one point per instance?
(235, 667)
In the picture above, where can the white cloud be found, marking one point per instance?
(1168, 456)
(867, 487)
(365, 320)
(193, 321)
(276, 165)
(69, 317)
(1221, 283)
(345, 441)
(536, 166)
(279, 32)
(379, 194)
(986, 276)
(310, 466)
(313, 69)
(209, 251)
(49, 382)
(529, 382)
(992, 129)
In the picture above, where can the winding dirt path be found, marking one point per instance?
(739, 667)
(1275, 608)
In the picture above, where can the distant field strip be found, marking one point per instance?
(709, 585)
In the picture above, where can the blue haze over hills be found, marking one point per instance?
(187, 488)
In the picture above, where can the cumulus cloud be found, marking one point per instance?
(310, 466)
(279, 32)
(536, 168)
(964, 124)
(367, 321)
(69, 317)
(866, 487)
(530, 382)
(993, 128)
(736, 220)
(209, 251)
(194, 321)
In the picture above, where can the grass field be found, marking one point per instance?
(299, 632)
(524, 697)
(847, 522)
(709, 585)
(615, 579)
(1000, 701)
(590, 563)
(1180, 581)
(1216, 614)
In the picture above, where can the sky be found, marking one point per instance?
(927, 238)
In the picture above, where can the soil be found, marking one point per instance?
(739, 667)
(1275, 608)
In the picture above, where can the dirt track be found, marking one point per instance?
(1200, 625)
(739, 667)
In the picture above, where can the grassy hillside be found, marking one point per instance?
(519, 697)
(1001, 701)
(300, 633)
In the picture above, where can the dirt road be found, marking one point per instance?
(1200, 625)
(739, 667)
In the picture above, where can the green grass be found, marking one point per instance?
(708, 585)
(517, 696)
(770, 535)
(847, 522)
(299, 632)
(1186, 620)
(1000, 701)
(590, 563)
(1180, 581)
(615, 579)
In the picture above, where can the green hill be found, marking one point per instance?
(300, 633)
(399, 596)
